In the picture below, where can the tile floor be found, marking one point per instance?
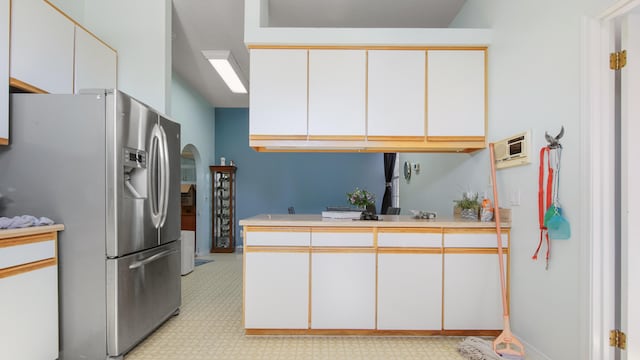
(209, 327)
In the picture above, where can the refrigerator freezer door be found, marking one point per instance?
(131, 173)
(170, 229)
(143, 290)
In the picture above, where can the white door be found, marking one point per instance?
(630, 193)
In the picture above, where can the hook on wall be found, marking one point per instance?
(554, 142)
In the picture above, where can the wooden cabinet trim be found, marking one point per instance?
(342, 250)
(337, 137)
(366, 47)
(474, 251)
(25, 86)
(20, 269)
(455, 138)
(29, 239)
(277, 249)
(367, 230)
(417, 139)
(276, 229)
(475, 231)
(78, 24)
(401, 230)
(415, 250)
(277, 137)
(4, 141)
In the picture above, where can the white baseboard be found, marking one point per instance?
(239, 249)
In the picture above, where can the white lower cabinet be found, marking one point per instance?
(472, 297)
(343, 290)
(29, 315)
(409, 291)
(276, 290)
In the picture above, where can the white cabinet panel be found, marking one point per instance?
(278, 92)
(478, 240)
(404, 239)
(472, 297)
(410, 291)
(338, 239)
(456, 93)
(42, 41)
(276, 290)
(343, 290)
(396, 93)
(337, 91)
(4, 71)
(95, 63)
(277, 238)
(29, 313)
(27, 253)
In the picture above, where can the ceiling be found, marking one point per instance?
(219, 25)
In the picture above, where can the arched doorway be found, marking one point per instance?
(189, 162)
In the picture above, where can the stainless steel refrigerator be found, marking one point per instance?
(108, 168)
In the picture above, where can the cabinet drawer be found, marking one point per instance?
(278, 238)
(471, 240)
(341, 239)
(27, 253)
(426, 240)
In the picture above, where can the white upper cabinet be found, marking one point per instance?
(396, 93)
(42, 41)
(4, 71)
(337, 92)
(278, 92)
(456, 93)
(95, 62)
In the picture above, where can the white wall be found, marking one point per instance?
(73, 8)
(534, 83)
(197, 123)
(141, 33)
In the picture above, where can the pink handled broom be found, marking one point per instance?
(505, 346)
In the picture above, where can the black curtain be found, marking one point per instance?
(389, 164)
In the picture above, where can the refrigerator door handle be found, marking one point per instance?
(156, 196)
(164, 176)
(151, 259)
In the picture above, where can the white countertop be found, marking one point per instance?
(387, 221)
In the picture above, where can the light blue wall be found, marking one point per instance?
(197, 121)
(268, 183)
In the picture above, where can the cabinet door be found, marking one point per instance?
(396, 93)
(95, 63)
(343, 290)
(337, 87)
(276, 290)
(29, 313)
(4, 72)
(456, 93)
(409, 291)
(41, 46)
(472, 297)
(278, 92)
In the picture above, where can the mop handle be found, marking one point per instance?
(496, 214)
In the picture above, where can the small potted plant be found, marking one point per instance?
(362, 199)
(468, 207)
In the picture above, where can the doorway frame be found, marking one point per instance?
(598, 176)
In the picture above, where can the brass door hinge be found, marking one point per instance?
(617, 339)
(618, 60)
